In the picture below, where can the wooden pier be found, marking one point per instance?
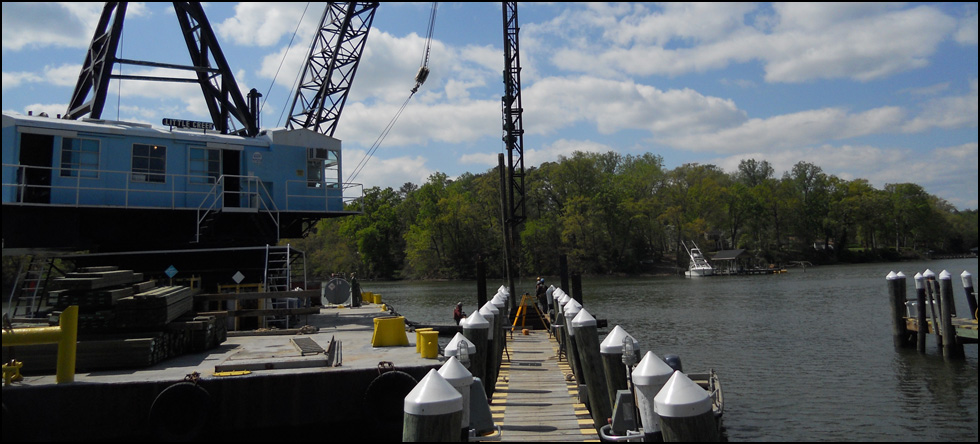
(536, 397)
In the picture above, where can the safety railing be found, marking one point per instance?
(65, 335)
(81, 187)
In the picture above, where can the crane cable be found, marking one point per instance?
(420, 78)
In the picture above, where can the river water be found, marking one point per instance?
(802, 356)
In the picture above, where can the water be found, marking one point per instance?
(802, 356)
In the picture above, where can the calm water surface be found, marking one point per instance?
(802, 356)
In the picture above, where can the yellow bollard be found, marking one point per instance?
(65, 335)
(430, 344)
(389, 331)
(11, 372)
(418, 338)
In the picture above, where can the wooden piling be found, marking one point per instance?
(476, 328)
(572, 309)
(952, 349)
(587, 340)
(611, 349)
(685, 412)
(933, 301)
(491, 313)
(896, 292)
(971, 295)
(920, 314)
(433, 411)
(460, 378)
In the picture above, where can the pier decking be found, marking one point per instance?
(536, 399)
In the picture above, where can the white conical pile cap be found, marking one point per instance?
(490, 307)
(583, 319)
(571, 306)
(891, 276)
(967, 279)
(651, 371)
(455, 373)
(475, 321)
(460, 343)
(918, 281)
(929, 273)
(489, 312)
(900, 275)
(613, 343)
(944, 275)
(499, 301)
(681, 398)
(432, 396)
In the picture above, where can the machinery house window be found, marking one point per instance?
(79, 157)
(149, 163)
(205, 165)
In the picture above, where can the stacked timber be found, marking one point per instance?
(154, 308)
(124, 322)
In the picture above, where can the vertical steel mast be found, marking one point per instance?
(513, 137)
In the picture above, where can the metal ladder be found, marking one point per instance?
(279, 272)
(29, 291)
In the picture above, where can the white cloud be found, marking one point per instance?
(799, 42)
(947, 112)
(37, 24)
(775, 134)
(264, 24)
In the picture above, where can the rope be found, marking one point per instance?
(419, 80)
(296, 82)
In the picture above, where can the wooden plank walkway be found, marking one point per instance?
(533, 401)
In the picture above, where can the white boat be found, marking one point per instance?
(699, 265)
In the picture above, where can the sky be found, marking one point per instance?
(885, 92)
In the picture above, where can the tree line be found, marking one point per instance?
(611, 213)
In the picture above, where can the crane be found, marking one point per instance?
(331, 66)
(212, 72)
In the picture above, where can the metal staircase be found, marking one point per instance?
(29, 292)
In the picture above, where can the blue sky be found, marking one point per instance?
(880, 91)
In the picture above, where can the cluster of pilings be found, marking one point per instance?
(932, 310)
(451, 404)
(616, 382)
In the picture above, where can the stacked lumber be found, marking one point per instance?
(154, 308)
(99, 352)
(124, 322)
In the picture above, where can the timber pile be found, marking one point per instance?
(124, 322)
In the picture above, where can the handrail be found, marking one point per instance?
(65, 335)
(117, 189)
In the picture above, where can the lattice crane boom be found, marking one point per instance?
(331, 65)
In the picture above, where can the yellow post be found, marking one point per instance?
(65, 335)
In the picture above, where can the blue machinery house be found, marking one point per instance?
(118, 186)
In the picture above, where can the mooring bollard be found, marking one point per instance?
(649, 378)
(920, 313)
(587, 340)
(952, 349)
(433, 411)
(611, 350)
(460, 378)
(971, 295)
(476, 328)
(685, 412)
(896, 292)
